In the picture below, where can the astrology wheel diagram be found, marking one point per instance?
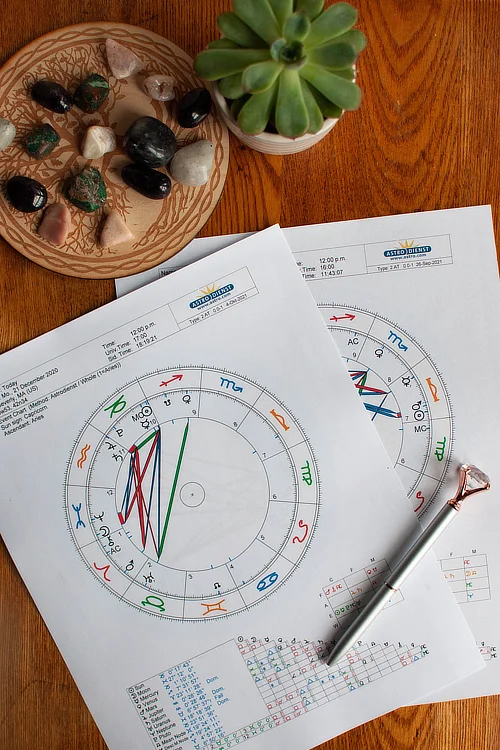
(192, 493)
(404, 395)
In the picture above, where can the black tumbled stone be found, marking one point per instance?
(25, 194)
(52, 95)
(148, 182)
(194, 107)
(149, 142)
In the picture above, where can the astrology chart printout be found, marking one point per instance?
(197, 508)
(412, 302)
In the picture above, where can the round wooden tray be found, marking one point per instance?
(160, 228)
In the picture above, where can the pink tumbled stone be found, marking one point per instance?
(114, 231)
(56, 224)
(122, 61)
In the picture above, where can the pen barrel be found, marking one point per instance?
(421, 546)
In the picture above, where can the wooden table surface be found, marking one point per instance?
(427, 136)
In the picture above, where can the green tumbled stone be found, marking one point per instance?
(86, 190)
(42, 141)
(91, 94)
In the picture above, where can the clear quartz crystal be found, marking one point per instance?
(160, 87)
(476, 478)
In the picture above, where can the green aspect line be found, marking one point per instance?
(146, 440)
(172, 491)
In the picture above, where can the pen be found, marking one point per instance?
(471, 480)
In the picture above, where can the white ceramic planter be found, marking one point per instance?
(270, 143)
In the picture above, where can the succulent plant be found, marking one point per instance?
(285, 64)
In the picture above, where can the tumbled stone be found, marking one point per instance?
(86, 190)
(194, 107)
(25, 194)
(7, 133)
(42, 141)
(98, 141)
(52, 95)
(148, 182)
(115, 231)
(160, 87)
(192, 164)
(91, 93)
(121, 60)
(149, 142)
(56, 224)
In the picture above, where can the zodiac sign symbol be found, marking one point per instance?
(158, 604)
(280, 419)
(217, 607)
(302, 525)
(267, 582)
(227, 383)
(433, 389)
(117, 407)
(175, 377)
(397, 340)
(77, 509)
(105, 574)
(440, 446)
(83, 456)
(420, 497)
(306, 474)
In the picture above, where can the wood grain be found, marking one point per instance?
(426, 137)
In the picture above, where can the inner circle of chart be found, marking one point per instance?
(404, 395)
(192, 493)
(204, 530)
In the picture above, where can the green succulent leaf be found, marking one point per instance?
(255, 113)
(336, 88)
(315, 114)
(259, 15)
(231, 87)
(310, 8)
(238, 104)
(260, 76)
(237, 30)
(292, 117)
(354, 37)
(223, 44)
(212, 64)
(347, 73)
(326, 106)
(281, 9)
(333, 56)
(296, 28)
(336, 20)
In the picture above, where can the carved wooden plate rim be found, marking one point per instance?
(160, 228)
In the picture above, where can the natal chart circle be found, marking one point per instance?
(404, 395)
(192, 493)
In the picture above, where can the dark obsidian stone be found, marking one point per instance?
(194, 107)
(149, 142)
(52, 95)
(147, 181)
(42, 141)
(91, 93)
(25, 194)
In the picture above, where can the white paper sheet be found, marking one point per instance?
(412, 303)
(186, 496)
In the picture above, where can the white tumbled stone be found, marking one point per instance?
(160, 87)
(7, 133)
(115, 231)
(98, 141)
(192, 164)
(121, 60)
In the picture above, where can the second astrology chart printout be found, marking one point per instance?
(188, 481)
(412, 302)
